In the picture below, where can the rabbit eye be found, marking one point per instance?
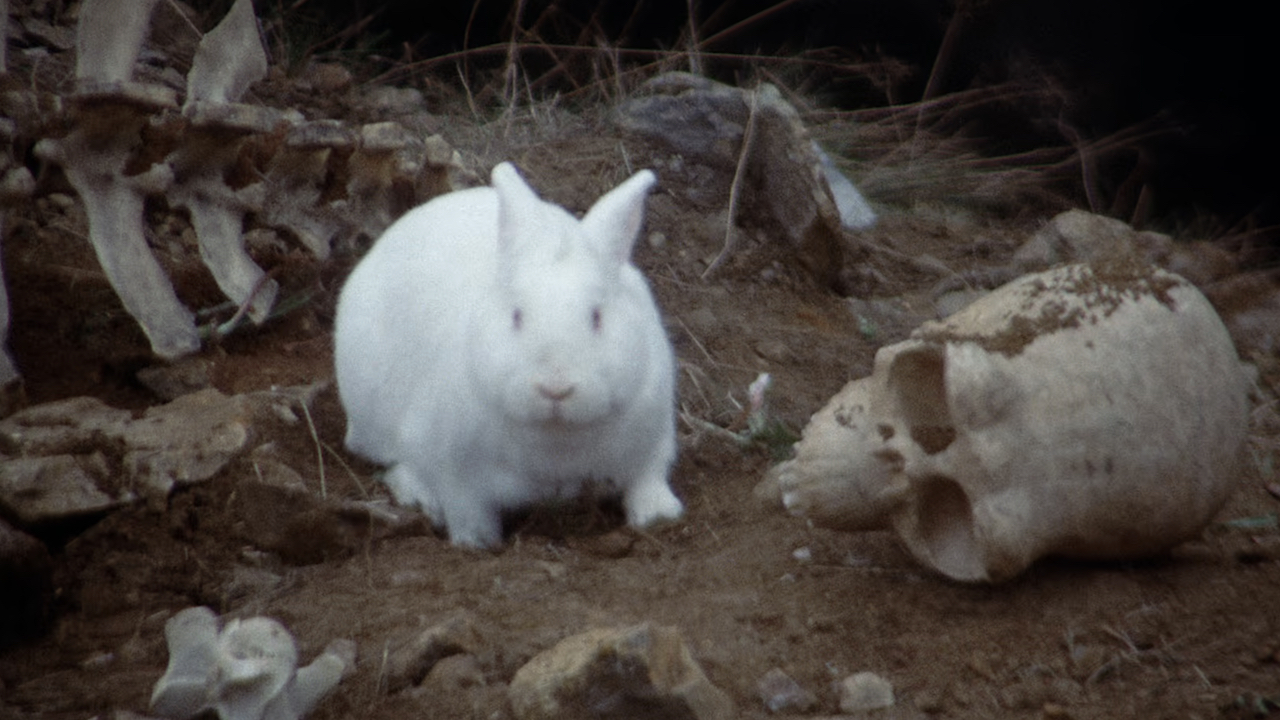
(595, 319)
(517, 319)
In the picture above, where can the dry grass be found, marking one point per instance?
(552, 72)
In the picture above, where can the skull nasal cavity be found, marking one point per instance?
(918, 377)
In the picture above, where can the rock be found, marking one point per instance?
(39, 491)
(455, 673)
(326, 78)
(26, 574)
(642, 671)
(780, 693)
(189, 440)
(75, 425)
(1081, 236)
(788, 178)
(1074, 236)
(865, 691)
(390, 101)
(79, 457)
(1249, 304)
(172, 381)
(411, 662)
(884, 320)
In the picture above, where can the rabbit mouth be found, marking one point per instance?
(559, 415)
(554, 416)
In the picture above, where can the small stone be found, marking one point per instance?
(641, 671)
(780, 693)
(613, 545)
(454, 673)
(776, 351)
(411, 662)
(327, 78)
(865, 691)
(389, 100)
(1053, 711)
(182, 377)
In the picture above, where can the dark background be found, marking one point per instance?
(1201, 72)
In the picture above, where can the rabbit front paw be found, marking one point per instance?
(651, 501)
(411, 490)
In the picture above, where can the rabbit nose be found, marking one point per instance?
(555, 393)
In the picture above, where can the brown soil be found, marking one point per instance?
(1193, 635)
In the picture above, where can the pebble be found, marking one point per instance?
(638, 668)
(780, 693)
(865, 691)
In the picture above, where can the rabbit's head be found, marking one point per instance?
(570, 334)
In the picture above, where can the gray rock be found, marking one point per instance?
(786, 180)
(38, 491)
(865, 691)
(642, 671)
(1074, 236)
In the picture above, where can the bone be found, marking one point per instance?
(108, 38)
(211, 148)
(295, 184)
(248, 671)
(108, 112)
(94, 157)
(1092, 411)
(371, 192)
(229, 59)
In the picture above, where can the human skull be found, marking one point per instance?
(1090, 411)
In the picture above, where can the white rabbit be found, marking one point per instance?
(494, 351)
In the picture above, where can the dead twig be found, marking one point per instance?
(739, 174)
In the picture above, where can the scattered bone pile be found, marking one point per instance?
(218, 158)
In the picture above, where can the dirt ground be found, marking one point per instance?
(1192, 635)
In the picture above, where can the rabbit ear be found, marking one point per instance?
(517, 204)
(614, 221)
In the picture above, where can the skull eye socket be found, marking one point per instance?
(517, 319)
(597, 319)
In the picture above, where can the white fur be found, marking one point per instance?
(475, 411)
